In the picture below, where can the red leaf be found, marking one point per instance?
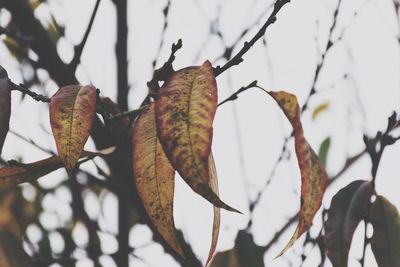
(313, 175)
(72, 110)
(185, 109)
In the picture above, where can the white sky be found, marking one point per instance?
(248, 134)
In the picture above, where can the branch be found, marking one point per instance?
(329, 45)
(375, 147)
(349, 162)
(24, 90)
(79, 48)
(238, 58)
(163, 73)
(165, 25)
(22, 38)
(121, 50)
(234, 96)
(48, 58)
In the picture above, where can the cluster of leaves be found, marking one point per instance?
(174, 133)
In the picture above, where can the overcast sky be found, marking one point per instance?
(248, 133)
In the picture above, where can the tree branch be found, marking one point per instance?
(121, 50)
(238, 58)
(79, 48)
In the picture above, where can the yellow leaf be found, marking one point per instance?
(72, 109)
(318, 110)
(313, 175)
(185, 110)
(154, 177)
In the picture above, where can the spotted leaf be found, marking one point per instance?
(72, 109)
(185, 110)
(154, 177)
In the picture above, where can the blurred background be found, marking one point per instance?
(347, 52)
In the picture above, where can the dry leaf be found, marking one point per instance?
(72, 109)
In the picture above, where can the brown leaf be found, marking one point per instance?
(5, 106)
(385, 242)
(313, 175)
(348, 208)
(154, 177)
(72, 109)
(213, 182)
(185, 110)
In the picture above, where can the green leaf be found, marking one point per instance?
(385, 241)
(348, 207)
(323, 150)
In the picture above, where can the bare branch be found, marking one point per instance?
(79, 48)
(238, 58)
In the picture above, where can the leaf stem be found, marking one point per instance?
(234, 96)
(126, 113)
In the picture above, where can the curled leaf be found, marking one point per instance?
(154, 177)
(348, 207)
(320, 109)
(313, 175)
(72, 109)
(385, 242)
(213, 182)
(185, 110)
(5, 106)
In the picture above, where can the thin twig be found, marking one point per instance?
(128, 113)
(165, 25)
(163, 73)
(238, 58)
(349, 162)
(35, 96)
(79, 48)
(234, 96)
